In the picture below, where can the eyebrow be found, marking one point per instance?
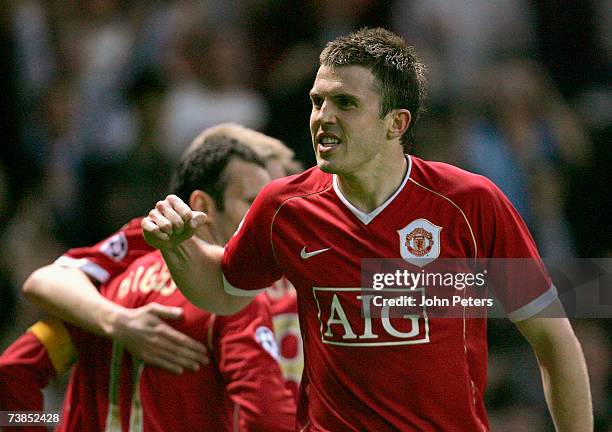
(348, 96)
(351, 98)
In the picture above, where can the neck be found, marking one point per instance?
(368, 189)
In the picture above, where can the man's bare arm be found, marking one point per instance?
(69, 294)
(195, 265)
(563, 368)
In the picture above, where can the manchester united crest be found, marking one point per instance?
(420, 242)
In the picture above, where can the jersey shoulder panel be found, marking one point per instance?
(496, 225)
(109, 257)
(477, 197)
(451, 181)
(309, 182)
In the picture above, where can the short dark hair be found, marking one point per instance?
(202, 168)
(394, 64)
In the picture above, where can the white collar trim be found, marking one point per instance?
(364, 217)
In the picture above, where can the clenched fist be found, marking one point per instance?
(170, 223)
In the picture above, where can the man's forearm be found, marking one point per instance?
(71, 296)
(566, 386)
(196, 269)
(564, 373)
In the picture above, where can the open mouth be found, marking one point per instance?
(327, 142)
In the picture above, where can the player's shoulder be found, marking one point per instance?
(451, 181)
(133, 226)
(131, 233)
(309, 182)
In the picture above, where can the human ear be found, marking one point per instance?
(201, 201)
(400, 121)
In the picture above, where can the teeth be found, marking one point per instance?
(329, 140)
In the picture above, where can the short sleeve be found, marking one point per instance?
(27, 365)
(517, 275)
(111, 256)
(249, 264)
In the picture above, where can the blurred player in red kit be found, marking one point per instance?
(368, 198)
(280, 162)
(222, 175)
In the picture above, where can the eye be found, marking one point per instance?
(316, 100)
(345, 102)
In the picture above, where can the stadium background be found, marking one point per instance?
(99, 97)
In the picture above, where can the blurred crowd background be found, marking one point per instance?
(100, 97)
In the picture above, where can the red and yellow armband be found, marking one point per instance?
(55, 337)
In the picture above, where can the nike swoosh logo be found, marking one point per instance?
(306, 255)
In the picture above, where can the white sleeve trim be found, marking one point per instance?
(92, 269)
(232, 290)
(534, 306)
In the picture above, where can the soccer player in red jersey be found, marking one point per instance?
(241, 389)
(70, 294)
(280, 162)
(68, 289)
(243, 347)
(368, 198)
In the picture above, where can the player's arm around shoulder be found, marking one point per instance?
(68, 293)
(195, 265)
(68, 288)
(563, 368)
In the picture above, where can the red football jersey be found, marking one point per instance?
(283, 302)
(45, 351)
(84, 408)
(25, 369)
(42, 354)
(111, 256)
(243, 382)
(93, 401)
(406, 373)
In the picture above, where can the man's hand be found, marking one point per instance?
(147, 336)
(195, 265)
(70, 295)
(170, 223)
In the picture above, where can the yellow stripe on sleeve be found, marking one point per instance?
(55, 337)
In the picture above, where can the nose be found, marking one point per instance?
(326, 113)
